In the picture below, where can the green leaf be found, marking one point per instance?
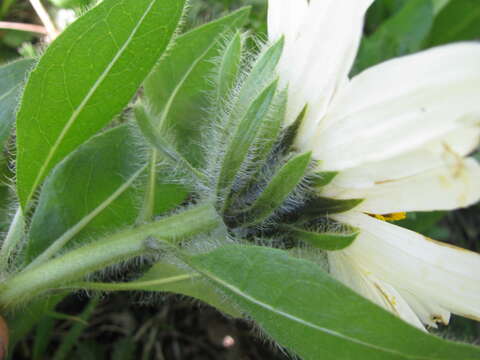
(458, 21)
(21, 322)
(263, 72)
(402, 34)
(277, 191)
(228, 69)
(243, 138)
(380, 11)
(13, 77)
(180, 86)
(93, 192)
(323, 178)
(438, 5)
(164, 277)
(289, 134)
(154, 137)
(422, 222)
(71, 338)
(85, 78)
(43, 335)
(320, 206)
(304, 309)
(324, 241)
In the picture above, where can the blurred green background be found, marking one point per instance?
(143, 326)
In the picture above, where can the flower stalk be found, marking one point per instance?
(113, 249)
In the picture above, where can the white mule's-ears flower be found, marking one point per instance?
(398, 135)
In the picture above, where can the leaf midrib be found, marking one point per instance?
(84, 102)
(293, 318)
(84, 221)
(136, 285)
(147, 206)
(10, 91)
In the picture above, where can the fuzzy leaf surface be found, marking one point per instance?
(165, 277)
(244, 137)
(13, 77)
(324, 241)
(228, 68)
(279, 188)
(304, 309)
(101, 183)
(85, 78)
(178, 88)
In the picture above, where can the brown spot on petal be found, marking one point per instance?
(3, 338)
(380, 182)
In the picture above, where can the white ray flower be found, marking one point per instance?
(398, 134)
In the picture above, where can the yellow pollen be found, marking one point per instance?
(390, 217)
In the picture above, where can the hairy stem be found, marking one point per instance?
(96, 256)
(13, 238)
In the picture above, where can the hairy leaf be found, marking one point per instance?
(304, 309)
(93, 192)
(178, 88)
(324, 241)
(243, 138)
(278, 189)
(13, 77)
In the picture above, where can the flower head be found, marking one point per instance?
(398, 135)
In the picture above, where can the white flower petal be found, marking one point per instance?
(344, 269)
(321, 41)
(447, 187)
(437, 273)
(285, 18)
(400, 105)
(428, 311)
(437, 153)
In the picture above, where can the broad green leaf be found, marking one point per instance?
(164, 277)
(171, 278)
(438, 5)
(278, 189)
(402, 34)
(12, 78)
(85, 78)
(458, 21)
(307, 311)
(324, 241)
(95, 190)
(243, 137)
(380, 11)
(179, 89)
